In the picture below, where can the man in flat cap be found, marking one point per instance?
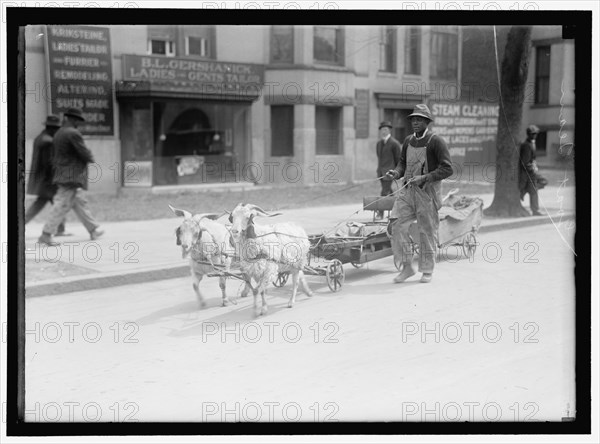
(424, 162)
(42, 171)
(528, 170)
(388, 156)
(71, 158)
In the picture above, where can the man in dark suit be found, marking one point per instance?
(528, 170)
(388, 156)
(71, 158)
(42, 172)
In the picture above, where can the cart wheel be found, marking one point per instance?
(335, 275)
(281, 279)
(415, 248)
(469, 245)
(357, 264)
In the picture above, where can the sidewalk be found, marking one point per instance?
(138, 252)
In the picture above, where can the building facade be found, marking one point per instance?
(550, 102)
(178, 105)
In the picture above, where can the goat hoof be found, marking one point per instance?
(264, 311)
(227, 302)
(310, 294)
(202, 305)
(290, 304)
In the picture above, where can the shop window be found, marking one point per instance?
(328, 44)
(282, 130)
(197, 46)
(412, 51)
(387, 48)
(444, 52)
(329, 130)
(161, 47)
(282, 44)
(542, 74)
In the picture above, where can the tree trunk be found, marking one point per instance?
(515, 65)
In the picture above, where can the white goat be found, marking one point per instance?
(262, 247)
(206, 242)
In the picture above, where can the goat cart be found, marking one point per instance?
(353, 242)
(460, 219)
(360, 242)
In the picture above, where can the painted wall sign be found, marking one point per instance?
(80, 74)
(210, 76)
(468, 128)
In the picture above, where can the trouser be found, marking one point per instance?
(37, 206)
(533, 197)
(68, 198)
(414, 203)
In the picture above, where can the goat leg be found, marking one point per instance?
(226, 300)
(305, 286)
(264, 308)
(199, 296)
(295, 276)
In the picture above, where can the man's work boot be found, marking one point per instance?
(46, 239)
(426, 278)
(96, 234)
(407, 271)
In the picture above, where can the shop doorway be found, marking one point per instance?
(199, 143)
(399, 118)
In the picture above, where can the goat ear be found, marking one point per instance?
(180, 213)
(211, 216)
(251, 218)
(177, 234)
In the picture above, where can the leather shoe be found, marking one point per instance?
(63, 233)
(406, 272)
(96, 234)
(537, 213)
(426, 278)
(46, 239)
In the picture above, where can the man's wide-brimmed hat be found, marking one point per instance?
(532, 129)
(52, 120)
(385, 123)
(421, 110)
(74, 112)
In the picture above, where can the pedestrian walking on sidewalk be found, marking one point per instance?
(71, 158)
(424, 162)
(42, 172)
(528, 170)
(388, 156)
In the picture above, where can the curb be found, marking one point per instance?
(107, 280)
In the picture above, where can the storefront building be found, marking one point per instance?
(186, 105)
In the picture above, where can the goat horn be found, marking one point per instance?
(262, 212)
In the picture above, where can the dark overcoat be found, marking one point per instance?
(526, 174)
(388, 156)
(71, 158)
(41, 172)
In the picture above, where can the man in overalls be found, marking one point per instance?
(424, 162)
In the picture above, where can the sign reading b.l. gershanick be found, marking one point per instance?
(80, 74)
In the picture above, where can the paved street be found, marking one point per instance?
(487, 339)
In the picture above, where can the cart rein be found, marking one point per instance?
(347, 219)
